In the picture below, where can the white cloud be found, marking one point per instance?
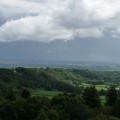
(89, 32)
(102, 9)
(38, 28)
(45, 20)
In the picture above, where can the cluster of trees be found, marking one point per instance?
(67, 106)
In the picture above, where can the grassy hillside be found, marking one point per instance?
(52, 79)
(48, 79)
(45, 93)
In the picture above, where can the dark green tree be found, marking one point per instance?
(91, 97)
(10, 94)
(42, 115)
(53, 115)
(8, 111)
(116, 108)
(111, 96)
(72, 105)
(25, 94)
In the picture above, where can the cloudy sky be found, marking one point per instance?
(74, 30)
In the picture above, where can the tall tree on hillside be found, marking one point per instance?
(91, 97)
(111, 96)
(10, 94)
(25, 94)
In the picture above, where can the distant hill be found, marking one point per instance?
(55, 79)
(48, 79)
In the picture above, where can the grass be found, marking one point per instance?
(85, 85)
(45, 93)
(102, 87)
(98, 87)
(103, 99)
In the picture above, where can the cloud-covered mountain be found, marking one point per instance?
(106, 50)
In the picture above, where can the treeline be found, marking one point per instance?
(67, 106)
(99, 77)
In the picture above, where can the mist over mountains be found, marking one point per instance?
(90, 50)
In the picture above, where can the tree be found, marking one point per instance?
(53, 115)
(42, 116)
(103, 117)
(25, 94)
(91, 97)
(111, 96)
(72, 107)
(8, 111)
(10, 94)
(116, 108)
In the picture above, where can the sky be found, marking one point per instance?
(60, 30)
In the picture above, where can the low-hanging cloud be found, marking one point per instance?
(46, 21)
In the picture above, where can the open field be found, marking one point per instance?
(99, 87)
(44, 93)
(102, 87)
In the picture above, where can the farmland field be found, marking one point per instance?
(44, 93)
